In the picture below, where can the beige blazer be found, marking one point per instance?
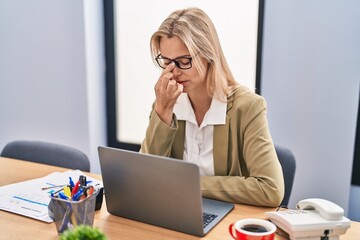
(246, 166)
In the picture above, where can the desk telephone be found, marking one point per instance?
(314, 219)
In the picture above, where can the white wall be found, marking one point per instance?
(310, 78)
(45, 77)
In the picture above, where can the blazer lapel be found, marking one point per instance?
(178, 145)
(220, 151)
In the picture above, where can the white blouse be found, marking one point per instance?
(198, 145)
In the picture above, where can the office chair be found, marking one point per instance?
(288, 164)
(47, 153)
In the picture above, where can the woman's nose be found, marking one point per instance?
(176, 71)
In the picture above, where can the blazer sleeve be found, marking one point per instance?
(159, 136)
(254, 172)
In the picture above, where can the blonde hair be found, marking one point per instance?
(196, 30)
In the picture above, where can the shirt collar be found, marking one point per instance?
(216, 114)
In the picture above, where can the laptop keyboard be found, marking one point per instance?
(207, 218)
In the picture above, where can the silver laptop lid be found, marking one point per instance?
(152, 189)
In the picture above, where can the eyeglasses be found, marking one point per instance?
(182, 62)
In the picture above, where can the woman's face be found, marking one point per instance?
(173, 48)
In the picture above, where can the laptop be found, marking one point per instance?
(157, 190)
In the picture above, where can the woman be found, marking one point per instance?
(202, 115)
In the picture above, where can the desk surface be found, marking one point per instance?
(13, 226)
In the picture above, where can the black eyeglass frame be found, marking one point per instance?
(175, 60)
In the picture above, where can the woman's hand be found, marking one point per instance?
(167, 91)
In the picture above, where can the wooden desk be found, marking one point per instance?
(13, 226)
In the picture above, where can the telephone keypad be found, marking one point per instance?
(292, 212)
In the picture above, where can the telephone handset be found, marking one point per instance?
(326, 209)
(314, 218)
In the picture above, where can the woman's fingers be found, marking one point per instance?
(166, 75)
(172, 85)
(180, 88)
(167, 91)
(166, 87)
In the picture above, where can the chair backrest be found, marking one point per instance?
(288, 164)
(47, 153)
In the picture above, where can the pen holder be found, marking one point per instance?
(68, 214)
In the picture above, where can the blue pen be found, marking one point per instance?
(63, 196)
(72, 184)
(77, 196)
